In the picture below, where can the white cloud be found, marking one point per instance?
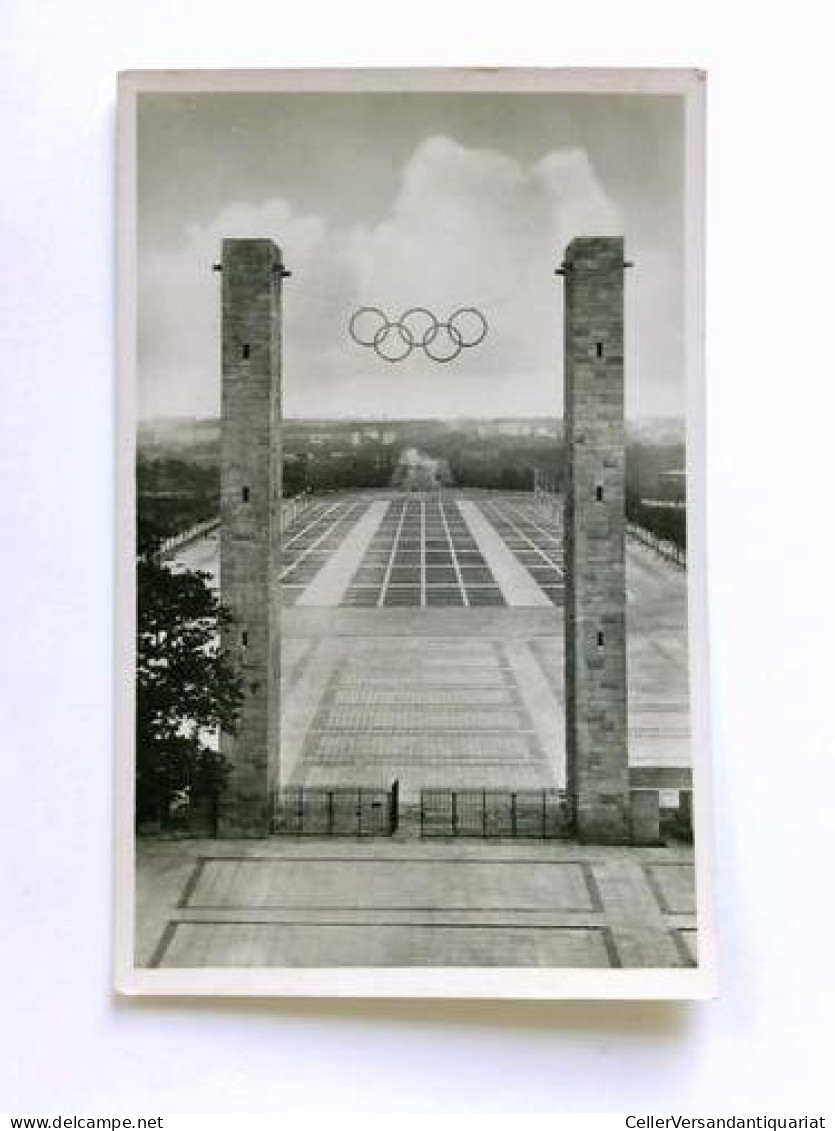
(467, 228)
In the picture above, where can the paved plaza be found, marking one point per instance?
(422, 641)
(408, 903)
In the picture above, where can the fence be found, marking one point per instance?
(539, 814)
(666, 549)
(291, 509)
(199, 530)
(338, 811)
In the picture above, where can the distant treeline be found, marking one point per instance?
(497, 463)
(645, 464)
(175, 493)
(317, 471)
(172, 495)
(667, 523)
(644, 468)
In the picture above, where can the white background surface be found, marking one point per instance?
(66, 1044)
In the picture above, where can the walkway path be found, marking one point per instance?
(330, 584)
(517, 585)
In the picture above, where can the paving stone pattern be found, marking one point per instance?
(535, 537)
(427, 713)
(423, 555)
(397, 903)
(312, 540)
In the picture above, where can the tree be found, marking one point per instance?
(175, 494)
(186, 688)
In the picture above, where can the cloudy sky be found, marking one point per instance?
(401, 200)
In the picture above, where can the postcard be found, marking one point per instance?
(412, 662)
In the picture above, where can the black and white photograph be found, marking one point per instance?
(412, 671)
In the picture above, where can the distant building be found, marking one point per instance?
(671, 492)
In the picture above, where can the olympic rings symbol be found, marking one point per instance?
(418, 328)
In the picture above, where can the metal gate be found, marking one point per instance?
(540, 814)
(338, 811)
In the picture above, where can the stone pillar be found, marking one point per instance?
(595, 528)
(646, 816)
(250, 521)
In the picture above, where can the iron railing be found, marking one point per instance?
(539, 814)
(338, 811)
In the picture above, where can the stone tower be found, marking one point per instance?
(595, 612)
(250, 513)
